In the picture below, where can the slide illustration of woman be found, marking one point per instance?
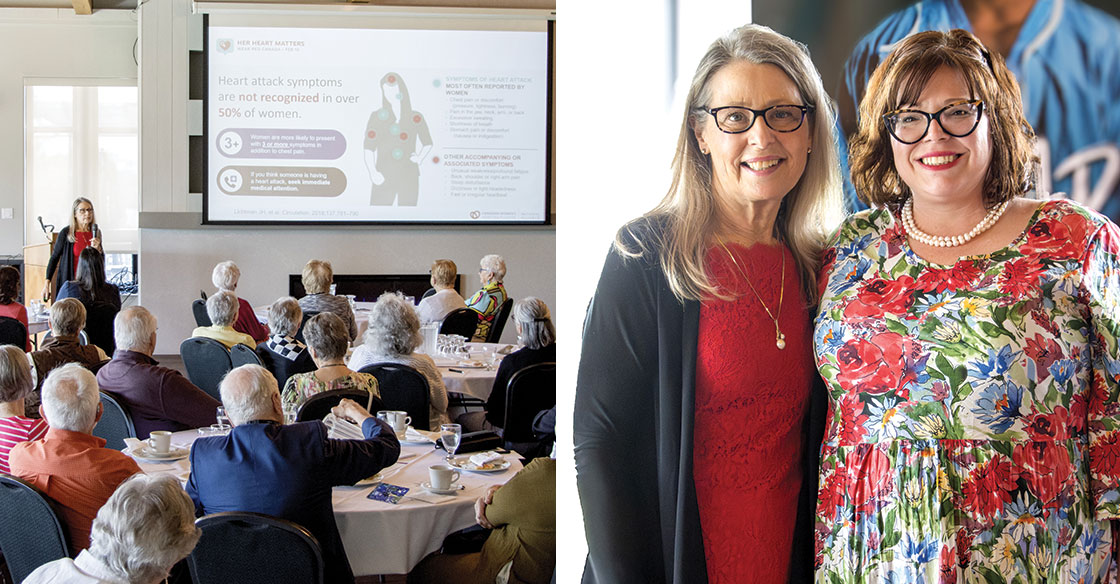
(397, 139)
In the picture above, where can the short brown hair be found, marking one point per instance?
(9, 284)
(443, 273)
(68, 316)
(900, 79)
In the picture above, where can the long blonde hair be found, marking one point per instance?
(688, 213)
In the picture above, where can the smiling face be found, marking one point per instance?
(84, 214)
(759, 165)
(940, 167)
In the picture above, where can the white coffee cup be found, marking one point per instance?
(442, 477)
(398, 420)
(160, 441)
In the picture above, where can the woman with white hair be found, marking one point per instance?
(141, 532)
(283, 354)
(317, 278)
(393, 335)
(489, 298)
(222, 308)
(327, 342)
(538, 335)
(225, 277)
(696, 377)
(15, 385)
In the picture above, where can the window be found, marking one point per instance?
(82, 140)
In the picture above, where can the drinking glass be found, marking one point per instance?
(223, 419)
(451, 433)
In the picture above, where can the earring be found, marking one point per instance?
(810, 151)
(704, 151)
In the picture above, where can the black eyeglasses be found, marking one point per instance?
(956, 119)
(780, 118)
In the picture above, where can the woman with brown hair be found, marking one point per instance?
(968, 337)
(9, 293)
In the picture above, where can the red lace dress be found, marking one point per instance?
(751, 400)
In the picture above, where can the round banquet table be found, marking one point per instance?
(386, 538)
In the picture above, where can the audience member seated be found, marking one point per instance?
(9, 299)
(522, 514)
(283, 354)
(15, 386)
(536, 331)
(225, 278)
(286, 471)
(89, 286)
(157, 397)
(487, 301)
(143, 530)
(71, 465)
(392, 337)
(326, 339)
(437, 306)
(317, 279)
(222, 309)
(68, 317)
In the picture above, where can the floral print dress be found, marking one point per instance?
(974, 429)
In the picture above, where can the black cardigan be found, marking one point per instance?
(634, 410)
(60, 268)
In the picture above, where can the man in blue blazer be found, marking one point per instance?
(286, 471)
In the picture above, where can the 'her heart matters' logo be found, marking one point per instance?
(225, 45)
(475, 214)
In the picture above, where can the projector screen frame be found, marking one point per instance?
(549, 17)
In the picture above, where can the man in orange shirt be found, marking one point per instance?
(69, 464)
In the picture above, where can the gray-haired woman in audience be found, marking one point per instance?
(393, 335)
(317, 279)
(437, 306)
(283, 354)
(326, 338)
(16, 384)
(225, 277)
(534, 330)
(143, 530)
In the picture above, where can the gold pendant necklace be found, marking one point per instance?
(780, 338)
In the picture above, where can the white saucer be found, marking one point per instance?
(146, 453)
(454, 489)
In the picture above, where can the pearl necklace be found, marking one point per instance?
(949, 240)
(780, 337)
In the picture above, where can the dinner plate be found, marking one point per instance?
(467, 465)
(147, 454)
(470, 364)
(454, 489)
(368, 481)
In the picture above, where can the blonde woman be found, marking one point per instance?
(317, 278)
(694, 385)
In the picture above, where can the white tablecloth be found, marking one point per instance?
(383, 538)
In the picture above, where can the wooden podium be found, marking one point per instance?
(35, 258)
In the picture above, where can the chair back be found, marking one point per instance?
(494, 335)
(207, 361)
(99, 325)
(530, 390)
(461, 321)
(403, 388)
(31, 528)
(242, 354)
(319, 405)
(428, 292)
(115, 424)
(198, 307)
(12, 332)
(252, 548)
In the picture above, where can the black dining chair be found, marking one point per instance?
(319, 405)
(403, 388)
(207, 361)
(242, 354)
(253, 548)
(99, 325)
(498, 325)
(307, 314)
(116, 422)
(12, 332)
(32, 531)
(201, 317)
(530, 391)
(461, 321)
(428, 292)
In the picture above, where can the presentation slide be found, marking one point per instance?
(376, 125)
